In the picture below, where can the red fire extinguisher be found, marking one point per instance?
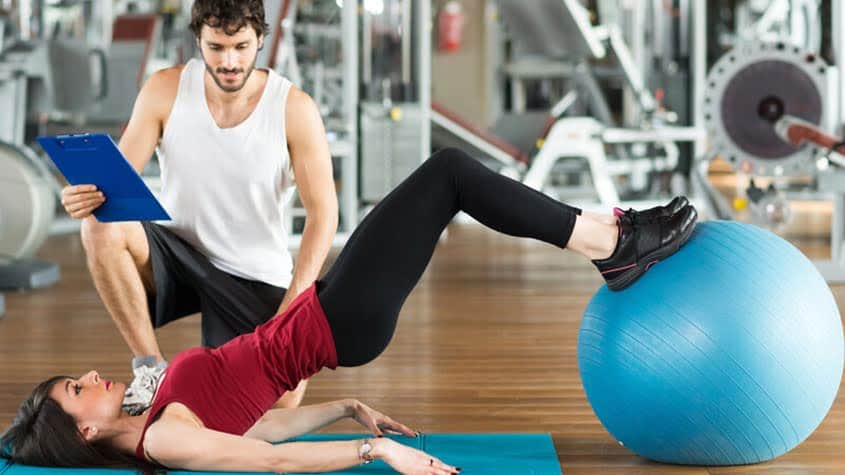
(450, 26)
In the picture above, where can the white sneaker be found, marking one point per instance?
(139, 394)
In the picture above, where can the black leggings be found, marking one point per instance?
(386, 255)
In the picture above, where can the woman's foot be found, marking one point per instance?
(642, 244)
(677, 204)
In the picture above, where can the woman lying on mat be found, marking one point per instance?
(212, 411)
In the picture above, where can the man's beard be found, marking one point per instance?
(235, 88)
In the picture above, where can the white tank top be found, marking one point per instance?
(226, 189)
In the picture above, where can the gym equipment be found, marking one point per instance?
(327, 44)
(27, 207)
(753, 86)
(798, 22)
(27, 200)
(281, 53)
(394, 122)
(36, 78)
(490, 454)
(729, 352)
(751, 91)
(450, 129)
(50, 77)
(556, 35)
(4, 28)
(27, 197)
(133, 40)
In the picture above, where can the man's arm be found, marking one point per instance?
(312, 167)
(137, 142)
(145, 126)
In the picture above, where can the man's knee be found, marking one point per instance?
(97, 236)
(103, 241)
(100, 239)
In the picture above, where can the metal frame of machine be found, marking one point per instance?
(26, 219)
(806, 70)
(811, 78)
(387, 122)
(342, 131)
(584, 137)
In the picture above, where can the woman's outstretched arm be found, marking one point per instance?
(283, 424)
(177, 445)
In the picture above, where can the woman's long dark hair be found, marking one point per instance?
(43, 434)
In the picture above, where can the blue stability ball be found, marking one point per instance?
(729, 352)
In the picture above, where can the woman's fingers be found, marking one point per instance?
(440, 468)
(374, 427)
(397, 428)
(446, 468)
(407, 433)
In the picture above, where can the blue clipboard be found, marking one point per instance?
(94, 159)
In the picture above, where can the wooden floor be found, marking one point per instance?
(486, 343)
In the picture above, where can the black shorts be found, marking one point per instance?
(187, 283)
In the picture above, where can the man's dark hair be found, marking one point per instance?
(230, 15)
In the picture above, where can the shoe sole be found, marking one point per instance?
(630, 276)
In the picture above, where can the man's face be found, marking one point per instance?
(229, 59)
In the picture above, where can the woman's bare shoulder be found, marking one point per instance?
(176, 412)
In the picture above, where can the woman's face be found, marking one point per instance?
(92, 401)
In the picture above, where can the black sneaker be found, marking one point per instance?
(651, 214)
(641, 245)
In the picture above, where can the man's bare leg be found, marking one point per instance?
(118, 256)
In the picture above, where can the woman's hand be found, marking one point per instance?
(378, 423)
(410, 461)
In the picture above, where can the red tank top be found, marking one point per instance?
(230, 387)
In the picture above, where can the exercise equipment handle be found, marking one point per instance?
(104, 81)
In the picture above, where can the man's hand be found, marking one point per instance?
(81, 200)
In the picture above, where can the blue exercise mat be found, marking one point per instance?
(482, 454)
